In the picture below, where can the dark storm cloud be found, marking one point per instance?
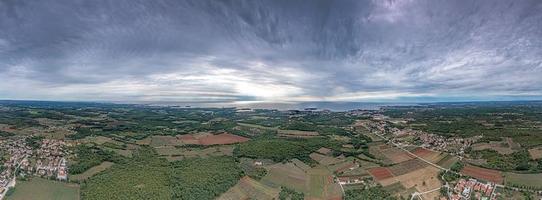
(269, 50)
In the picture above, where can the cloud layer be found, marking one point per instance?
(203, 50)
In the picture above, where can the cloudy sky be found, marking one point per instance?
(274, 51)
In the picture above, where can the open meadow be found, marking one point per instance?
(529, 180)
(42, 189)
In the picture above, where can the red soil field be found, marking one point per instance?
(224, 138)
(380, 173)
(421, 152)
(481, 173)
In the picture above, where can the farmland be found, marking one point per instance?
(482, 173)
(248, 188)
(423, 179)
(380, 173)
(37, 188)
(503, 147)
(177, 153)
(321, 184)
(287, 175)
(528, 180)
(297, 134)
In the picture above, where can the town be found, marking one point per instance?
(26, 156)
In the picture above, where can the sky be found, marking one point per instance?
(270, 51)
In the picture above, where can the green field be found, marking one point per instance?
(42, 189)
(91, 172)
(530, 180)
(321, 184)
(248, 188)
(287, 175)
(258, 126)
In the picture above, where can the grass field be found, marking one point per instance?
(91, 172)
(532, 180)
(447, 161)
(258, 126)
(160, 140)
(287, 175)
(501, 147)
(394, 154)
(321, 184)
(376, 150)
(324, 160)
(297, 134)
(42, 189)
(122, 152)
(248, 188)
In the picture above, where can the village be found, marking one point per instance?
(46, 158)
(463, 188)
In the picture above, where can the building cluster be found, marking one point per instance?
(473, 189)
(48, 160)
(51, 160)
(15, 151)
(453, 145)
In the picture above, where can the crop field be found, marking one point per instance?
(407, 167)
(423, 179)
(210, 139)
(300, 164)
(367, 165)
(91, 172)
(429, 155)
(324, 160)
(482, 173)
(501, 147)
(248, 188)
(447, 161)
(394, 154)
(122, 152)
(162, 140)
(531, 180)
(376, 150)
(257, 126)
(38, 188)
(380, 173)
(287, 175)
(224, 138)
(321, 184)
(536, 153)
(355, 172)
(342, 166)
(188, 139)
(297, 134)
